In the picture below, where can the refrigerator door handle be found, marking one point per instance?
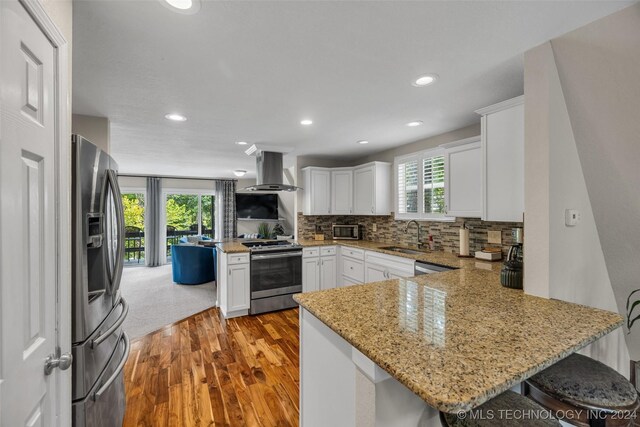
(112, 179)
(119, 368)
(101, 338)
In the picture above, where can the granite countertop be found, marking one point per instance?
(457, 338)
(231, 246)
(435, 257)
(446, 259)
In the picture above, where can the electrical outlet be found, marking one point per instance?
(374, 227)
(494, 237)
(572, 217)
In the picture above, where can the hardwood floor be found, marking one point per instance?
(208, 371)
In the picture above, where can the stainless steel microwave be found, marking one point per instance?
(347, 231)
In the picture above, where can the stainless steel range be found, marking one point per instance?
(276, 275)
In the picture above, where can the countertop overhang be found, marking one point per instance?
(457, 338)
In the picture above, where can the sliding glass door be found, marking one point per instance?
(188, 214)
(133, 203)
(207, 206)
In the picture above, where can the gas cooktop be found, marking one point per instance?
(271, 245)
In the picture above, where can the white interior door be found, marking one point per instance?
(30, 130)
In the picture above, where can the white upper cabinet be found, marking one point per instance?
(463, 169)
(317, 191)
(362, 190)
(342, 191)
(503, 161)
(372, 189)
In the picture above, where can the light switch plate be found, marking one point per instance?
(494, 237)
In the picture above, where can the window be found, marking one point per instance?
(420, 186)
(188, 214)
(433, 184)
(133, 205)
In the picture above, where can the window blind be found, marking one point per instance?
(408, 187)
(433, 184)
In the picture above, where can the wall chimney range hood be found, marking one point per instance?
(269, 171)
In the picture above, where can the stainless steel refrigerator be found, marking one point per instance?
(100, 346)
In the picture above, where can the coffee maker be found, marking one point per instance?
(512, 274)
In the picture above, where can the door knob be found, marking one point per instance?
(63, 361)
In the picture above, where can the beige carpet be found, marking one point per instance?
(155, 301)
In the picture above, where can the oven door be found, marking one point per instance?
(276, 273)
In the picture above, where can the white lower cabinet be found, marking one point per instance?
(375, 273)
(379, 267)
(328, 272)
(234, 276)
(310, 274)
(319, 268)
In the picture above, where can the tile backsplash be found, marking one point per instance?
(445, 234)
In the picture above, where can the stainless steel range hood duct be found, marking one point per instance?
(269, 173)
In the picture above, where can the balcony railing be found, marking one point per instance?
(134, 242)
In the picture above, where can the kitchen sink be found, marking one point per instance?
(402, 250)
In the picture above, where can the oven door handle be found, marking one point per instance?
(273, 256)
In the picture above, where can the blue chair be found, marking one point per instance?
(193, 264)
(185, 239)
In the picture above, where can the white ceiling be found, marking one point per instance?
(251, 70)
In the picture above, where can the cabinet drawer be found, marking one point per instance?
(310, 252)
(330, 250)
(353, 268)
(237, 259)
(352, 253)
(391, 262)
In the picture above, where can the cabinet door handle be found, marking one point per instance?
(372, 210)
(229, 272)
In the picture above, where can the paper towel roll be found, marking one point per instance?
(464, 241)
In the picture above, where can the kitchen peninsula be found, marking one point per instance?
(398, 351)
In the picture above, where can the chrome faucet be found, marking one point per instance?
(406, 230)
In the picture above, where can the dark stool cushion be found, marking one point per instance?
(580, 381)
(508, 400)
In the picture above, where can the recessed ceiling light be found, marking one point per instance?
(306, 122)
(176, 117)
(241, 143)
(239, 172)
(425, 80)
(186, 7)
(363, 141)
(181, 4)
(414, 123)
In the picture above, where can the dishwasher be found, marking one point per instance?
(428, 268)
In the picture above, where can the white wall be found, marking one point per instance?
(424, 144)
(95, 129)
(581, 152)
(128, 182)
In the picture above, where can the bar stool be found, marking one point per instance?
(493, 413)
(591, 393)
